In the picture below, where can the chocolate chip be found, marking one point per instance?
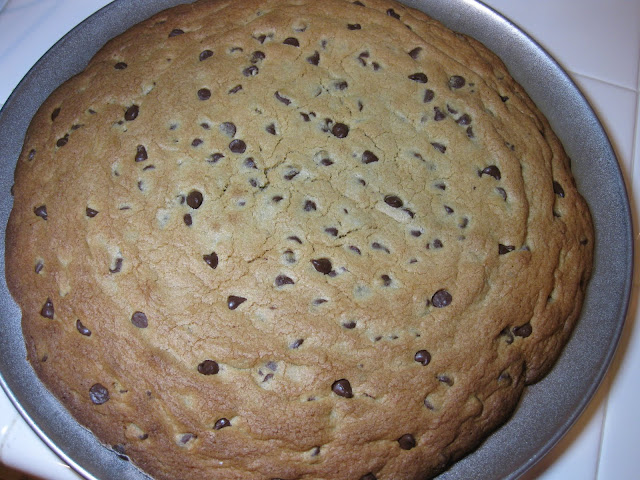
(428, 95)
(379, 246)
(359, 3)
(354, 26)
(141, 154)
(209, 367)
(446, 379)
(423, 357)
(492, 171)
(342, 388)
(139, 319)
(291, 173)
(392, 13)
(416, 233)
(221, 423)
(353, 248)
(283, 280)
(196, 142)
(228, 129)
(131, 113)
(557, 189)
(448, 209)
(369, 157)
(322, 265)
(331, 231)
(204, 94)
(205, 54)
(340, 130)
(41, 211)
(282, 99)
(47, 310)
(175, 32)
(310, 206)
(251, 71)
(257, 56)
(386, 280)
(194, 199)
(98, 394)
(504, 249)
(291, 41)
(419, 77)
(349, 325)
(369, 476)
(234, 301)
(456, 81)
(61, 142)
(502, 193)
(296, 343)
(211, 259)
(314, 59)
(215, 158)
(187, 219)
(504, 98)
(120, 66)
(82, 329)
(237, 146)
(235, 89)
(393, 201)
(277, 198)
(271, 128)
(39, 266)
(341, 85)
(117, 267)
(464, 120)
(438, 146)
(441, 299)
(407, 442)
(523, 331)
(415, 53)
(55, 114)
(438, 115)
(437, 243)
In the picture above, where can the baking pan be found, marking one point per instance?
(548, 408)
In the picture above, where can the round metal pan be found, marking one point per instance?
(547, 409)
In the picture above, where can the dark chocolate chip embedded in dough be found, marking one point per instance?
(235, 89)
(41, 211)
(331, 231)
(386, 280)
(271, 128)
(446, 379)
(120, 66)
(118, 266)
(251, 71)
(194, 199)
(354, 26)
(492, 171)
(419, 77)
(379, 246)
(423, 357)
(341, 85)
(392, 13)
(131, 113)
(314, 59)
(139, 319)
(187, 219)
(464, 119)
(234, 301)
(291, 173)
(353, 248)
(209, 367)
(369, 476)
(98, 394)
(342, 388)
(438, 146)
(204, 94)
(228, 128)
(415, 53)
(55, 113)
(282, 98)
(359, 3)
(221, 423)
(211, 259)
(141, 154)
(291, 41)
(407, 441)
(175, 32)
(237, 146)
(215, 158)
(197, 142)
(502, 192)
(257, 56)
(282, 280)
(296, 343)
(349, 325)
(557, 189)
(523, 331)
(428, 95)
(205, 54)
(310, 206)
(441, 298)
(47, 310)
(369, 157)
(82, 329)
(456, 81)
(340, 130)
(393, 201)
(39, 266)
(438, 114)
(61, 142)
(504, 249)
(322, 265)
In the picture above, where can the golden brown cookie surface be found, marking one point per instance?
(289, 239)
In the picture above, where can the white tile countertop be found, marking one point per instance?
(598, 44)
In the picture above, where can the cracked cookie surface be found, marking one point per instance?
(290, 239)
